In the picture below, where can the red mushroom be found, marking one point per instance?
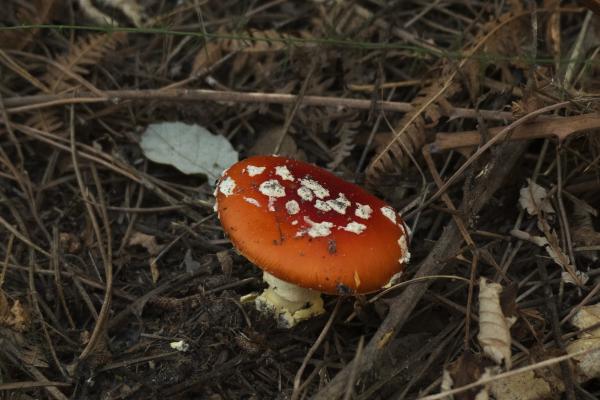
(310, 232)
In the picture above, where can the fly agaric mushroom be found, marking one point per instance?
(310, 232)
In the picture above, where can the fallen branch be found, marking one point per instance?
(28, 103)
(446, 247)
(559, 127)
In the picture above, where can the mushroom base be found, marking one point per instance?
(288, 302)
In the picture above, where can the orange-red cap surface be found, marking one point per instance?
(306, 226)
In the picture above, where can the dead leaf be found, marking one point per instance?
(130, 8)
(267, 141)
(534, 198)
(146, 241)
(206, 57)
(494, 327)
(588, 365)
(579, 278)
(464, 370)
(553, 249)
(18, 318)
(149, 243)
(190, 148)
(69, 243)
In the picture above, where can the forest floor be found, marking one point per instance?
(477, 120)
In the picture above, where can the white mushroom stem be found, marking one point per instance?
(290, 303)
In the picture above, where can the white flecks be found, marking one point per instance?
(292, 207)
(305, 193)
(340, 204)
(295, 222)
(354, 227)
(405, 257)
(253, 170)
(389, 213)
(271, 205)
(227, 186)
(322, 205)
(316, 187)
(272, 188)
(284, 173)
(316, 229)
(252, 201)
(363, 211)
(215, 193)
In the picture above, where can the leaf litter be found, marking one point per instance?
(119, 283)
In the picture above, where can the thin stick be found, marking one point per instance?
(105, 253)
(34, 102)
(313, 349)
(514, 372)
(354, 370)
(290, 117)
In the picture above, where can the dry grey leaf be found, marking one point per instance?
(534, 198)
(494, 328)
(192, 149)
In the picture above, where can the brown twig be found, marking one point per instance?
(105, 251)
(354, 370)
(559, 127)
(313, 349)
(34, 102)
(565, 367)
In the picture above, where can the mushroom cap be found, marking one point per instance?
(306, 226)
